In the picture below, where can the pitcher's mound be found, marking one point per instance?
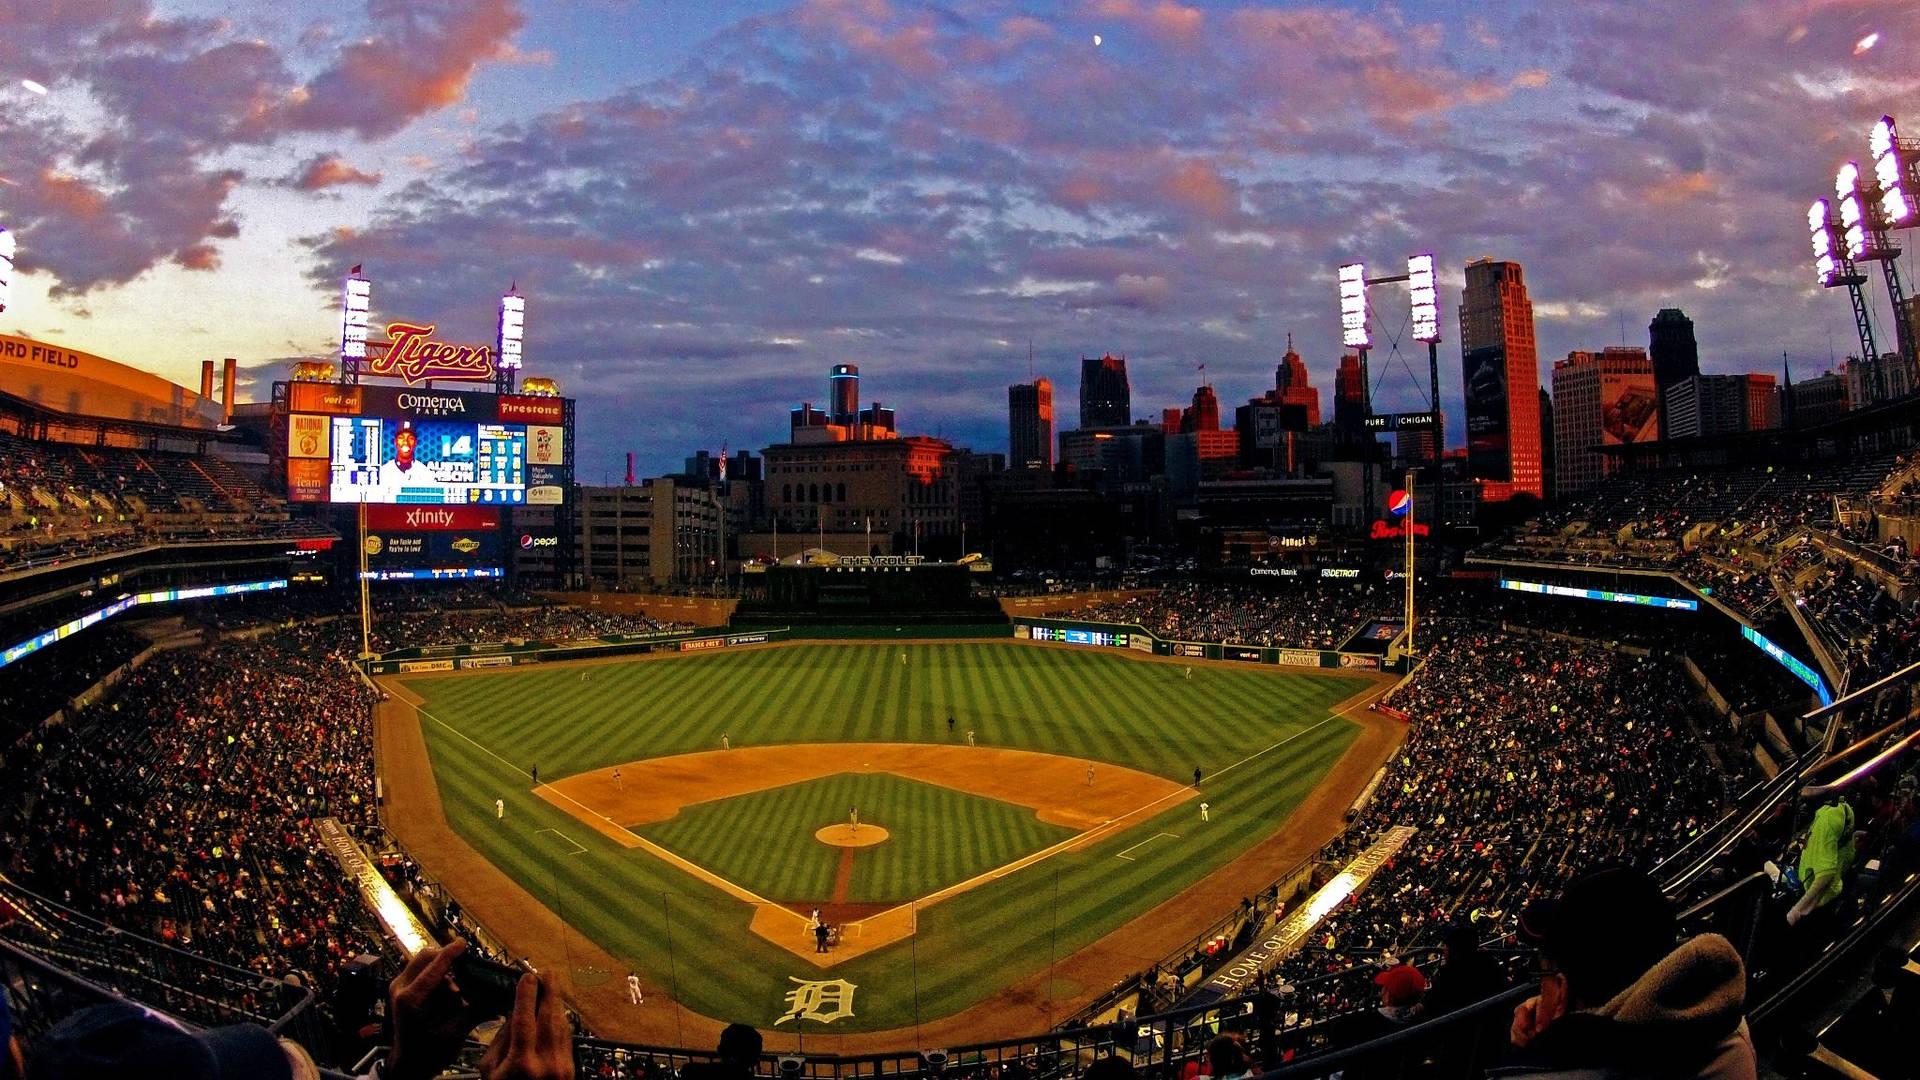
(844, 835)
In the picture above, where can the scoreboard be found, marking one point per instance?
(380, 460)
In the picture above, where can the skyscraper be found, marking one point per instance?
(844, 393)
(1030, 425)
(1500, 378)
(1675, 355)
(1105, 400)
(1349, 397)
(1204, 413)
(1291, 387)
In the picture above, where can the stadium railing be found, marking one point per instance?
(1159, 1045)
(76, 959)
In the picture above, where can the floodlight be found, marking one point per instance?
(354, 308)
(1820, 224)
(1856, 241)
(1426, 309)
(513, 321)
(6, 269)
(1895, 206)
(1353, 306)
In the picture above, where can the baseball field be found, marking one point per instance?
(965, 815)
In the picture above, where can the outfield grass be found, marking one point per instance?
(1263, 737)
(936, 837)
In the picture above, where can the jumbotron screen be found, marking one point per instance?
(379, 460)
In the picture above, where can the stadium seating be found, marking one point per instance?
(1298, 616)
(175, 809)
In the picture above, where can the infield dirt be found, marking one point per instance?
(1053, 786)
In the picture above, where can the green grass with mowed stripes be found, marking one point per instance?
(1262, 737)
(936, 837)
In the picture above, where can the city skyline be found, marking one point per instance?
(713, 206)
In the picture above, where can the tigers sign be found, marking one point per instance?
(413, 355)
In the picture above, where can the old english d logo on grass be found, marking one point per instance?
(825, 1000)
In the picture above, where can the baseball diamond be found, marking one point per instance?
(699, 866)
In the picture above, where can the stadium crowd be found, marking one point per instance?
(1527, 759)
(181, 806)
(1295, 616)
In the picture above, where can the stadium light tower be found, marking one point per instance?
(513, 325)
(1354, 335)
(356, 305)
(1889, 205)
(6, 269)
(1834, 267)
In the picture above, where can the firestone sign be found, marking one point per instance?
(413, 355)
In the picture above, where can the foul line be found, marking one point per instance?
(1262, 753)
(1143, 843)
(738, 892)
(577, 848)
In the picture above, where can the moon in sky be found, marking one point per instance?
(1096, 39)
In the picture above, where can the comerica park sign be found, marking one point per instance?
(413, 355)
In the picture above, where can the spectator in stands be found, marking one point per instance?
(739, 1052)
(11, 1065)
(123, 1040)
(431, 1020)
(1617, 999)
(1826, 858)
(1465, 975)
(1227, 1057)
(1109, 1068)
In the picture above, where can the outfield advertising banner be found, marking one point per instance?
(426, 665)
(1350, 660)
(1020, 630)
(746, 639)
(1188, 648)
(430, 518)
(439, 548)
(703, 643)
(1243, 653)
(1300, 657)
(487, 661)
(1140, 643)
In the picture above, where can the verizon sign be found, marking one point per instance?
(433, 518)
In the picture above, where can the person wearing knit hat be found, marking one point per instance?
(1617, 998)
(106, 1042)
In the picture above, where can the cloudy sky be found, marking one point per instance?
(708, 203)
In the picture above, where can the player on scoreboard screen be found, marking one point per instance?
(404, 469)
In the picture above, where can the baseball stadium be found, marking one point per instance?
(275, 745)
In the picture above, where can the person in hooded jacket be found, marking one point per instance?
(1618, 1000)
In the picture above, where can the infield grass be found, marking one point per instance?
(936, 837)
(1263, 738)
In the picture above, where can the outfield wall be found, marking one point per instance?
(1064, 631)
(1132, 636)
(498, 654)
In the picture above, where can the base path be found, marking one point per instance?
(1053, 786)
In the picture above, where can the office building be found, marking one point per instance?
(1030, 424)
(1599, 399)
(1105, 399)
(1674, 353)
(1500, 379)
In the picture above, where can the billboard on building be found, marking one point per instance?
(1627, 408)
(1484, 385)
